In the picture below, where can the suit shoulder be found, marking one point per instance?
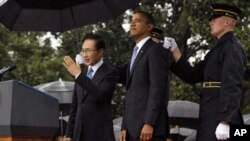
(234, 44)
(152, 43)
(158, 48)
(108, 67)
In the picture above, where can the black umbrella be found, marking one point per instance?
(183, 113)
(59, 15)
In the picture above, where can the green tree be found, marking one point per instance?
(36, 62)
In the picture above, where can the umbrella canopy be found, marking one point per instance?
(179, 134)
(246, 119)
(191, 137)
(182, 131)
(183, 113)
(59, 15)
(117, 127)
(61, 90)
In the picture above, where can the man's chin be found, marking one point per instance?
(132, 34)
(87, 64)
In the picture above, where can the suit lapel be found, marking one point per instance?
(98, 74)
(137, 59)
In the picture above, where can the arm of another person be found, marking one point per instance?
(122, 73)
(158, 76)
(101, 91)
(104, 89)
(181, 67)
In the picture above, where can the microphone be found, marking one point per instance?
(7, 69)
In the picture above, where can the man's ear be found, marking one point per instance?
(229, 21)
(101, 52)
(150, 26)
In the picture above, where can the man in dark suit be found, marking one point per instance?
(221, 72)
(145, 116)
(90, 115)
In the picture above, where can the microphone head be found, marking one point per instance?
(12, 67)
(7, 69)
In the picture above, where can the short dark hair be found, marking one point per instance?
(149, 17)
(100, 44)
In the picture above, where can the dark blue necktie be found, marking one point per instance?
(133, 57)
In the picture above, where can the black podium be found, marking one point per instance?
(26, 112)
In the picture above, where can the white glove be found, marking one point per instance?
(222, 131)
(2, 2)
(79, 59)
(169, 43)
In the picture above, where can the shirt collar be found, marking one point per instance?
(96, 66)
(224, 38)
(142, 42)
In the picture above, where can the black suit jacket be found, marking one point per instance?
(146, 88)
(90, 115)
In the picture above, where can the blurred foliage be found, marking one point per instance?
(36, 62)
(186, 20)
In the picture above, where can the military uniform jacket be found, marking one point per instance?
(224, 63)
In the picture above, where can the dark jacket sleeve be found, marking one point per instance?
(234, 62)
(123, 126)
(158, 71)
(188, 73)
(122, 73)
